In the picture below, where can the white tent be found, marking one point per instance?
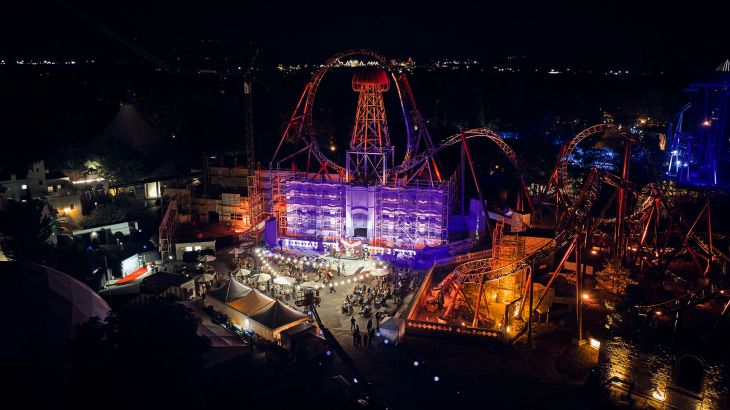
(263, 278)
(206, 258)
(378, 273)
(236, 251)
(205, 277)
(243, 272)
(392, 328)
(312, 285)
(285, 280)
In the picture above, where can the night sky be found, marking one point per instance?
(646, 33)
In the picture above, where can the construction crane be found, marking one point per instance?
(309, 299)
(248, 113)
(159, 63)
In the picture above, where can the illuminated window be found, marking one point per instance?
(50, 188)
(24, 186)
(188, 249)
(197, 248)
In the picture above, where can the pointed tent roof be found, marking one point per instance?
(725, 67)
(231, 290)
(277, 315)
(130, 127)
(251, 303)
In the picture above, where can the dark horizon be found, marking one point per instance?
(643, 36)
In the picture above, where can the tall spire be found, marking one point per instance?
(370, 147)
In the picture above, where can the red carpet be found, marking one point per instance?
(132, 276)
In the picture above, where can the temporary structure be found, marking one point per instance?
(205, 277)
(285, 280)
(392, 329)
(378, 273)
(251, 303)
(236, 251)
(206, 258)
(312, 285)
(251, 309)
(275, 318)
(263, 278)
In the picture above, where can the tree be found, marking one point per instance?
(153, 348)
(614, 278)
(105, 215)
(26, 229)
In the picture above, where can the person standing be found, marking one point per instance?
(352, 323)
(365, 341)
(370, 324)
(371, 334)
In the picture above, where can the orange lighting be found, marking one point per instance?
(706, 123)
(585, 296)
(594, 343)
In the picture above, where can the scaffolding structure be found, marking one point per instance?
(235, 210)
(314, 207)
(412, 216)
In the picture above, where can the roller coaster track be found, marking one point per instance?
(483, 271)
(575, 222)
(300, 125)
(416, 160)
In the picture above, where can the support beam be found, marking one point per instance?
(476, 182)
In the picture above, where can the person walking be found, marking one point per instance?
(365, 341)
(352, 323)
(370, 324)
(371, 337)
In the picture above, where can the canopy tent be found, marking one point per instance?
(206, 258)
(277, 317)
(285, 280)
(236, 251)
(253, 310)
(392, 329)
(243, 272)
(312, 285)
(205, 277)
(263, 278)
(231, 290)
(246, 245)
(251, 303)
(378, 273)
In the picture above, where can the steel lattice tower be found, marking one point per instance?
(370, 150)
